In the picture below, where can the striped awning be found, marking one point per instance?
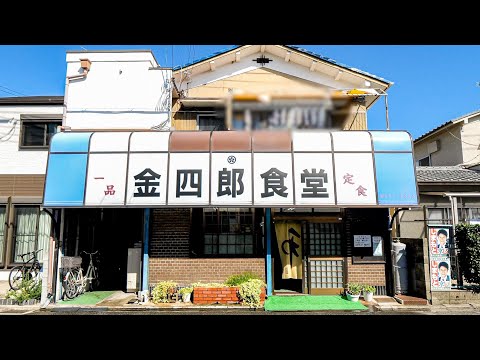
(231, 168)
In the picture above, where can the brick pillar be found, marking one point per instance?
(170, 232)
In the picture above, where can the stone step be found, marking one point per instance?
(410, 300)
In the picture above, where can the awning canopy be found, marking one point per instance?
(231, 169)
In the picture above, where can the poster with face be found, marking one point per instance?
(439, 240)
(439, 237)
(440, 274)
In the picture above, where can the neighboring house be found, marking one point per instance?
(117, 169)
(455, 142)
(26, 126)
(447, 158)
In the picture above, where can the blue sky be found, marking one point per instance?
(433, 83)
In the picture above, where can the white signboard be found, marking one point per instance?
(231, 179)
(355, 179)
(189, 178)
(147, 179)
(362, 240)
(272, 177)
(314, 179)
(377, 246)
(106, 179)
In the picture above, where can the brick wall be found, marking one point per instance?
(170, 231)
(365, 221)
(371, 274)
(222, 295)
(186, 271)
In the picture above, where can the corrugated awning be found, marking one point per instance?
(231, 169)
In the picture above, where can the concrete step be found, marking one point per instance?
(410, 300)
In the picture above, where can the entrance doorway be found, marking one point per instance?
(323, 258)
(325, 268)
(110, 231)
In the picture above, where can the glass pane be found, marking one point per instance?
(223, 239)
(248, 249)
(44, 229)
(208, 249)
(2, 232)
(222, 249)
(231, 249)
(25, 228)
(33, 134)
(51, 130)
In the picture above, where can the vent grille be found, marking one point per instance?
(380, 290)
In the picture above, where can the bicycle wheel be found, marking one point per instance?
(80, 281)
(70, 286)
(15, 278)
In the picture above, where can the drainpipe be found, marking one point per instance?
(85, 65)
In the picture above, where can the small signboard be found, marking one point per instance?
(362, 241)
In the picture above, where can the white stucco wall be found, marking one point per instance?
(450, 152)
(470, 135)
(121, 91)
(12, 159)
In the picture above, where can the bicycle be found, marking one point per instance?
(76, 283)
(29, 270)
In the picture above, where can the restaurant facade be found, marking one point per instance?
(229, 164)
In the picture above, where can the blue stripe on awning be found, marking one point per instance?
(395, 175)
(70, 142)
(391, 141)
(65, 180)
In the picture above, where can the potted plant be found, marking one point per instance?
(353, 291)
(368, 291)
(186, 292)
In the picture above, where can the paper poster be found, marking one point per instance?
(377, 246)
(440, 272)
(439, 244)
(362, 240)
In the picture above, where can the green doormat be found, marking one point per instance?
(88, 298)
(311, 303)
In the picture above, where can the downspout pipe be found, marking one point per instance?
(390, 264)
(85, 64)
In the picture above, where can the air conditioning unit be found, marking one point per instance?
(134, 269)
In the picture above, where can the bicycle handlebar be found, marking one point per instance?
(90, 253)
(31, 252)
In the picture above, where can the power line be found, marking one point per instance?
(462, 140)
(10, 91)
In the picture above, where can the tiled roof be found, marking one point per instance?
(305, 51)
(446, 174)
(445, 124)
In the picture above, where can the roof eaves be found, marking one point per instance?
(439, 127)
(333, 62)
(207, 57)
(32, 100)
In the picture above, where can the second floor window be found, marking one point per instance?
(424, 161)
(37, 133)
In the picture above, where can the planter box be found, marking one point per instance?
(219, 295)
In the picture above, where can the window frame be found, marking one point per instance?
(220, 117)
(3, 249)
(256, 234)
(44, 119)
(426, 157)
(14, 230)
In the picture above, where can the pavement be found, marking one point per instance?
(122, 303)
